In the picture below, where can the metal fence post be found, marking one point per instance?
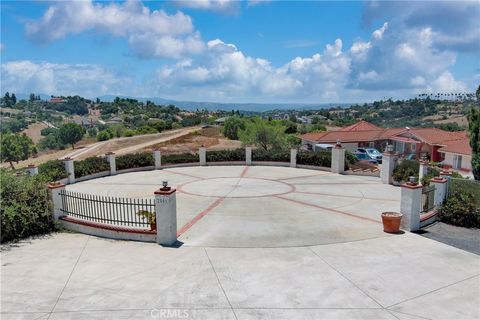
(55, 189)
(113, 165)
(248, 156)
(410, 206)
(166, 215)
(69, 167)
(158, 159)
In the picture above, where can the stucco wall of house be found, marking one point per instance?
(466, 160)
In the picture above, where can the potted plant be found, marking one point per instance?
(391, 221)
(151, 218)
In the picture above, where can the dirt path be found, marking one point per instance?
(119, 146)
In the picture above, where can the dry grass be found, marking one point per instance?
(210, 138)
(33, 131)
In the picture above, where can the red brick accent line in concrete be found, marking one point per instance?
(244, 171)
(329, 209)
(199, 216)
(344, 196)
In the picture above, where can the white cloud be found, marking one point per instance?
(62, 79)
(149, 33)
(223, 6)
(227, 73)
(378, 34)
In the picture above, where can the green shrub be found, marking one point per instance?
(129, 133)
(406, 169)
(180, 158)
(52, 170)
(146, 129)
(273, 155)
(460, 209)
(104, 135)
(90, 166)
(25, 207)
(135, 160)
(318, 158)
(226, 155)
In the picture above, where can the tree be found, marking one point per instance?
(16, 147)
(232, 126)
(266, 135)
(13, 99)
(474, 130)
(71, 133)
(32, 97)
(477, 93)
(6, 100)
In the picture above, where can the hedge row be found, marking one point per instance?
(52, 170)
(273, 155)
(55, 170)
(226, 155)
(90, 166)
(180, 158)
(135, 160)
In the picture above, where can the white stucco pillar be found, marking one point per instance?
(203, 156)
(410, 206)
(111, 160)
(448, 176)
(166, 215)
(158, 159)
(387, 166)
(32, 170)
(338, 158)
(422, 170)
(55, 189)
(248, 156)
(293, 158)
(69, 167)
(440, 190)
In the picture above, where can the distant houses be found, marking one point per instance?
(452, 149)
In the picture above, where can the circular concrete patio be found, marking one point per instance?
(259, 206)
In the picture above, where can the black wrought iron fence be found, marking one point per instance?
(127, 212)
(428, 194)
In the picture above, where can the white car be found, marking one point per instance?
(323, 147)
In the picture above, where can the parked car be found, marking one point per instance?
(323, 147)
(372, 153)
(364, 157)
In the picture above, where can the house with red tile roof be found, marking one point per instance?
(450, 148)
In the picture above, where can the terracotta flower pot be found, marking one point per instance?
(391, 221)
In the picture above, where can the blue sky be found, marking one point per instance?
(249, 51)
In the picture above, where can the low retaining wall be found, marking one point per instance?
(93, 176)
(108, 231)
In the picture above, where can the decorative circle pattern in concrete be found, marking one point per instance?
(257, 206)
(236, 188)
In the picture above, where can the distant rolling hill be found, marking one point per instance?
(258, 107)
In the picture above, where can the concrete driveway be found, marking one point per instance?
(257, 249)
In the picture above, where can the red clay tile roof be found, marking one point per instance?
(313, 136)
(437, 136)
(364, 131)
(457, 146)
(361, 126)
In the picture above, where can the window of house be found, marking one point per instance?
(413, 147)
(457, 161)
(442, 156)
(371, 144)
(400, 146)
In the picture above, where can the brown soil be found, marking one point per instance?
(33, 131)
(210, 138)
